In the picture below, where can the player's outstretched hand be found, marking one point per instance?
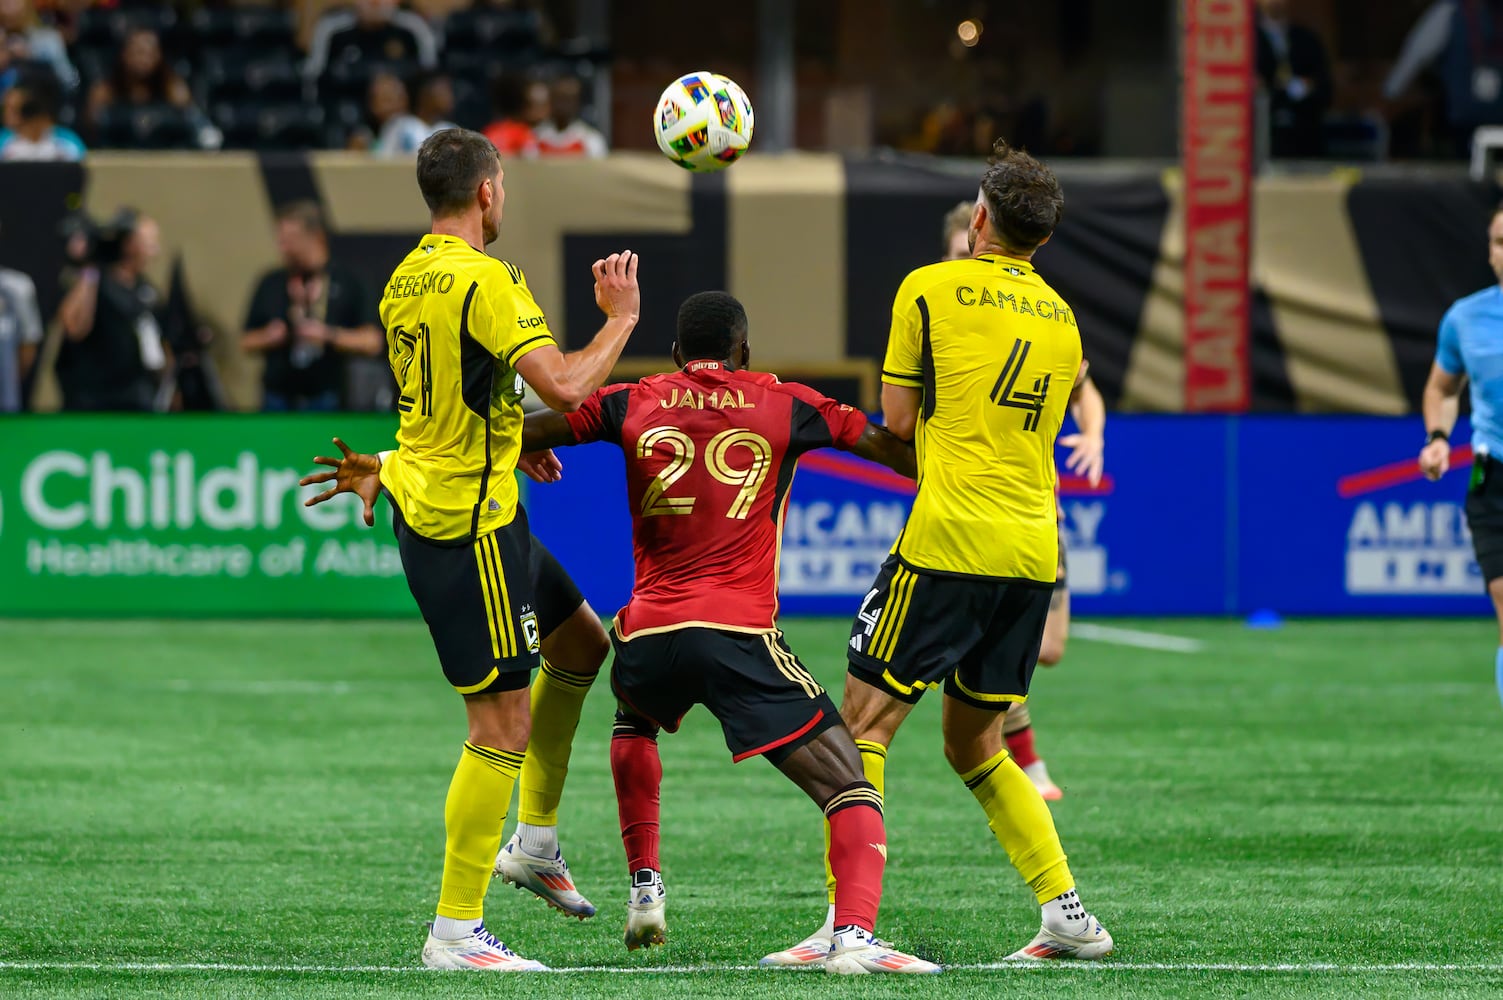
(1087, 456)
(1435, 459)
(616, 291)
(541, 466)
(353, 473)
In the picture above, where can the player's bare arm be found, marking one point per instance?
(878, 444)
(900, 409)
(353, 473)
(565, 381)
(1088, 445)
(542, 431)
(1441, 401)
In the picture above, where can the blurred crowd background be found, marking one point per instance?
(1343, 78)
(1340, 81)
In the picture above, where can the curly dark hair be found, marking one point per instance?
(710, 325)
(1024, 201)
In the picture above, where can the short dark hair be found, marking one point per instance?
(710, 325)
(306, 213)
(451, 164)
(42, 95)
(1023, 198)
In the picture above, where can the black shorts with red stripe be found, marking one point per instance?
(767, 703)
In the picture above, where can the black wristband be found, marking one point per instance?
(1438, 435)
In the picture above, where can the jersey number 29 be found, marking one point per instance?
(656, 502)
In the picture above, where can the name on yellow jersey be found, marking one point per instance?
(1042, 308)
(405, 286)
(727, 400)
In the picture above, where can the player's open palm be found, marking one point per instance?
(616, 291)
(353, 473)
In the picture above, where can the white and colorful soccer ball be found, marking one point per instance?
(703, 121)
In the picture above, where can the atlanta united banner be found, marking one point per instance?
(1217, 141)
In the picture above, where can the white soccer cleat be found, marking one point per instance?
(1049, 945)
(811, 951)
(1038, 773)
(646, 921)
(857, 953)
(547, 878)
(481, 951)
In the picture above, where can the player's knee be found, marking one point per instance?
(1052, 650)
(629, 724)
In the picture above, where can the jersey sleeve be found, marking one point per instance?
(601, 416)
(1448, 345)
(820, 422)
(509, 322)
(903, 364)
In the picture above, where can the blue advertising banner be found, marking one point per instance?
(1335, 519)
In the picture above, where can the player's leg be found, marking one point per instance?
(1017, 725)
(1495, 591)
(574, 645)
(652, 693)
(769, 705)
(470, 596)
(1484, 518)
(875, 702)
(990, 678)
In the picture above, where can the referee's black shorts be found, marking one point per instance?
(1484, 515)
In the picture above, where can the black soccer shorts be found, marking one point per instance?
(979, 637)
(557, 596)
(477, 598)
(1484, 515)
(765, 700)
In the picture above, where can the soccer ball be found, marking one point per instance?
(703, 121)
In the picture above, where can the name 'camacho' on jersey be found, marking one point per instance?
(996, 353)
(457, 321)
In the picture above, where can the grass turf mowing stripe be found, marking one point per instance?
(711, 967)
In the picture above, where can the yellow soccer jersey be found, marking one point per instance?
(996, 353)
(456, 323)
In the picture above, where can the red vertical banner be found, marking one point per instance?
(1217, 137)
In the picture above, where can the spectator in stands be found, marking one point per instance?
(385, 100)
(20, 333)
(432, 97)
(375, 32)
(112, 352)
(565, 133)
(519, 105)
(43, 44)
(1295, 72)
(31, 131)
(307, 316)
(141, 77)
(1463, 40)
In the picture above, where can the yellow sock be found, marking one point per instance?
(874, 763)
(1022, 824)
(557, 697)
(474, 814)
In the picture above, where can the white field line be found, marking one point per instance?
(679, 970)
(1135, 637)
(211, 686)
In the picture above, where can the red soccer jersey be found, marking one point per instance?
(710, 454)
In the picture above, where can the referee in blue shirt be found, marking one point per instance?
(1470, 348)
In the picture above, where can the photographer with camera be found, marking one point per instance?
(112, 353)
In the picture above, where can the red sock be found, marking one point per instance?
(638, 772)
(858, 854)
(1020, 745)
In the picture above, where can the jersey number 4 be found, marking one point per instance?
(1006, 392)
(417, 386)
(680, 446)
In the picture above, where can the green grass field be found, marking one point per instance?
(233, 810)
